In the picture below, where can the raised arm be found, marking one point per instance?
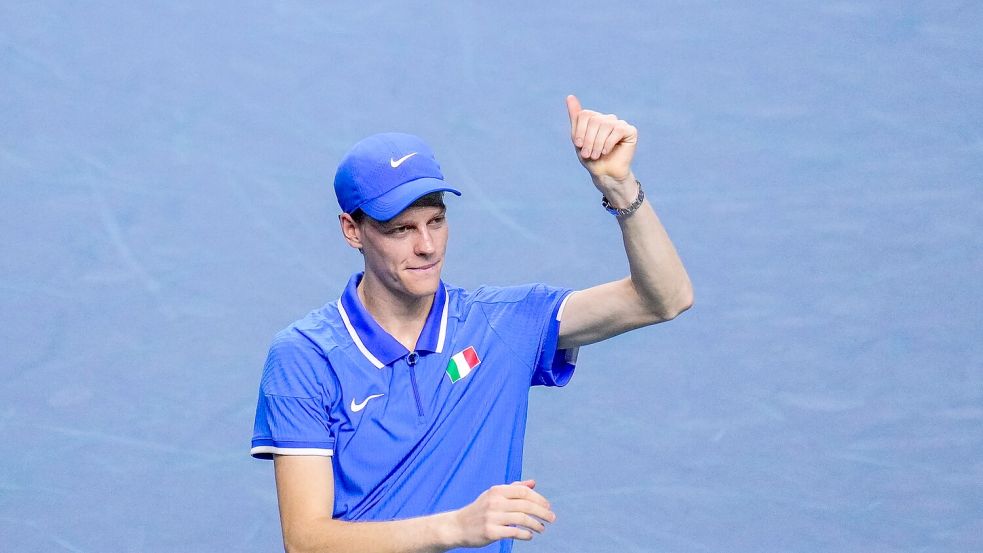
(305, 490)
(657, 288)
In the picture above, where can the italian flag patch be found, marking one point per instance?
(462, 363)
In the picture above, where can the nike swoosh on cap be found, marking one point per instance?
(397, 162)
(356, 407)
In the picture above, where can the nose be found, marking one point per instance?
(424, 246)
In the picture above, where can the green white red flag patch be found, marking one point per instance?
(462, 363)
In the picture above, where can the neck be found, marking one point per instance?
(403, 317)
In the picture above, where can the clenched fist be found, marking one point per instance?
(604, 143)
(500, 512)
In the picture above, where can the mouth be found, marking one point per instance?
(424, 268)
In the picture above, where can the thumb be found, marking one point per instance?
(573, 107)
(531, 484)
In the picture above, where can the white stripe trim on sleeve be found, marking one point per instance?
(563, 304)
(292, 451)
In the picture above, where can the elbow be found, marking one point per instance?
(684, 304)
(291, 547)
(680, 303)
(293, 544)
(302, 538)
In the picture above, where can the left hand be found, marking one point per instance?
(605, 144)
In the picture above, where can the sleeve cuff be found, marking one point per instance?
(555, 367)
(266, 448)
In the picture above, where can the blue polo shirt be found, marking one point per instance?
(413, 433)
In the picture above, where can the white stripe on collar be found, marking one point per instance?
(443, 323)
(358, 341)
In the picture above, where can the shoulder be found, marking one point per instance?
(462, 301)
(298, 354)
(532, 297)
(501, 294)
(322, 330)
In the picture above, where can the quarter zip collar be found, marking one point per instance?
(377, 345)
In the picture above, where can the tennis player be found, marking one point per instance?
(395, 415)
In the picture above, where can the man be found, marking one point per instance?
(395, 416)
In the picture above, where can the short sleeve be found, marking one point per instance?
(528, 318)
(291, 417)
(554, 367)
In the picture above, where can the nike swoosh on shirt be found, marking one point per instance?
(356, 407)
(397, 162)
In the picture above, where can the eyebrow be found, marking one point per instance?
(392, 224)
(396, 223)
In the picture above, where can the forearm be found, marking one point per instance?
(427, 534)
(658, 276)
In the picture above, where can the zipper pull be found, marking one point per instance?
(412, 358)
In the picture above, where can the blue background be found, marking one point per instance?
(165, 175)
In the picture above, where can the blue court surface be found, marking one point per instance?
(165, 177)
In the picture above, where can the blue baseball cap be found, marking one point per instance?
(384, 173)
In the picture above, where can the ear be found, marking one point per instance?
(350, 230)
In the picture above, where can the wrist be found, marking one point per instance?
(622, 212)
(620, 192)
(446, 531)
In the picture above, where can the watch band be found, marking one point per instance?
(628, 210)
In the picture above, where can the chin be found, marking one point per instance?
(422, 283)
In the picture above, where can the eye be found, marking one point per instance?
(398, 230)
(438, 220)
